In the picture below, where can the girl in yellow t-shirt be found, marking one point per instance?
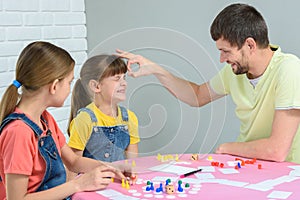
(99, 128)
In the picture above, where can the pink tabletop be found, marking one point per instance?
(249, 183)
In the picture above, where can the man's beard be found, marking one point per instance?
(240, 70)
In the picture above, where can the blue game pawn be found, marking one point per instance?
(148, 188)
(160, 189)
(239, 165)
(167, 182)
(151, 187)
(180, 189)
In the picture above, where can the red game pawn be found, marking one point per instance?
(259, 166)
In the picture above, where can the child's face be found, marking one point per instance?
(63, 89)
(114, 87)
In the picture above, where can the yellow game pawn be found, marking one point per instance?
(158, 157)
(123, 183)
(112, 180)
(127, 185)
(133, 163)
(166, 158)
(176, 157)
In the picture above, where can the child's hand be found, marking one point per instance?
(124, 171)
(98, 178)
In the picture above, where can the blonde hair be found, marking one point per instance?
(39, 64)
(95, 68)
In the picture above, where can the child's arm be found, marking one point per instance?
(132, 151)
(79, 164)
(16, 185)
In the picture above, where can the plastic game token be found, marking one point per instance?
(197, 185)
(182, 195)
(148, 195)
(159, 196)
(170, 197)
(193, 192)
(137, 194)
(196, 189)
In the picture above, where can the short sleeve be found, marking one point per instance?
(288, 86)
(133, 128)
(220, 82)
(18, 148)
(80, 130)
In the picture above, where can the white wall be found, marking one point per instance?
(62, 22)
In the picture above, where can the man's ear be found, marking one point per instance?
(53, 86)
(94, 86)
(251, 44)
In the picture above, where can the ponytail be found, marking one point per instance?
(8, 102)
(80, 99)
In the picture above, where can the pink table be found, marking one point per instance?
(248, 184)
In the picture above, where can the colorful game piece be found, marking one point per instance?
(160, 189)
(194, 157)
(167, 182)
(221, 165)
(123, 183)
(239, 165)
(259, 166)
(176, 157)
(170, 189)
(151, 186)
(133, 163)
(159, 157)
(148, 182)
(209, 158)
(187, 185)
(242, 161)
(127, 185)
(180, 189)
(133, 179)
(165, 157)
(112, 180)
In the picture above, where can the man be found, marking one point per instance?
(263, 82)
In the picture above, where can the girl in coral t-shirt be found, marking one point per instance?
(33, 151)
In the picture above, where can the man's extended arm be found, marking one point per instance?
(276, 147)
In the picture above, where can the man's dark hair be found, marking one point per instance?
(237, 22)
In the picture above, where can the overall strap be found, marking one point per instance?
(21, 116)
(90, 112)
(124, 113)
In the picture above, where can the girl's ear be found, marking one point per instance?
(53, 86)
(94, 86)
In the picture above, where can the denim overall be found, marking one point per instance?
(107, 143)
(55, 172)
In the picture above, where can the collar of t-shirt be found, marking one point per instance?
(254, 81)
